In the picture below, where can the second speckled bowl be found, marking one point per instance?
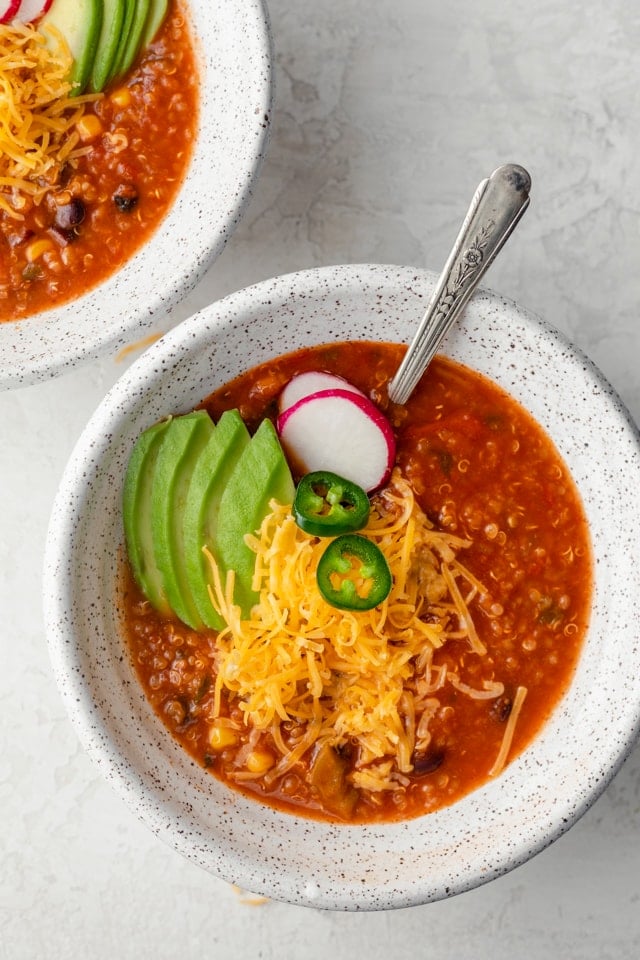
(234, 55)
(276, 854)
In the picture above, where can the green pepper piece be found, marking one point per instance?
(327, 505)
(353, 574)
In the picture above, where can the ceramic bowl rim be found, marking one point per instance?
(145, 374)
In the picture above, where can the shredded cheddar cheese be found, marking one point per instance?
(38, 115)
(366, 678)
(505, 746)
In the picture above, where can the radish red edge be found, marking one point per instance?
(309, 382)
(9, 10)
(365, 407)
(31, 10)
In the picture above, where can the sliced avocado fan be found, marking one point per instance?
(104, 37)
(189, 485)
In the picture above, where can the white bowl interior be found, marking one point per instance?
(303, 861)
(233, 49)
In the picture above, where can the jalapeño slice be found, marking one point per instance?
(327, 505)
(353, 573)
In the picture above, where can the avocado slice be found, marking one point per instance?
(127, 20)
(179, 452)
(112, 20)
(131, 47)
(208, 481)
(79, 22)
(137, 515)
(260, 475)
(157, 13)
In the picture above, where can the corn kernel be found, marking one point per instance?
(35, 250)
(259, 761)
(121, 97)
(221, 737)
(89, 127)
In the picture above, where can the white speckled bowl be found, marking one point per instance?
(364, 867)
(233, 46)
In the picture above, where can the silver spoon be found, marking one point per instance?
(496, 208)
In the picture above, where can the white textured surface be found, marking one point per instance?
(387, 115)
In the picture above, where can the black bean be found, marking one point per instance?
(69, 215)
(125, 197)
(429, 762)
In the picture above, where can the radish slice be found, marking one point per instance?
(8, 10)
(304, 384)
(31, 10)
(341, 431)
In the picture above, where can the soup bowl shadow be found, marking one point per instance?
(279, 855)
(234, 59)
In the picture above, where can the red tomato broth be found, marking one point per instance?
(481, 467)
(147, 124)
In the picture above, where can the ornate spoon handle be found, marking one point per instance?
(496, 208)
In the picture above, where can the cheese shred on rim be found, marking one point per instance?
(38, 115)
(364, 678)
